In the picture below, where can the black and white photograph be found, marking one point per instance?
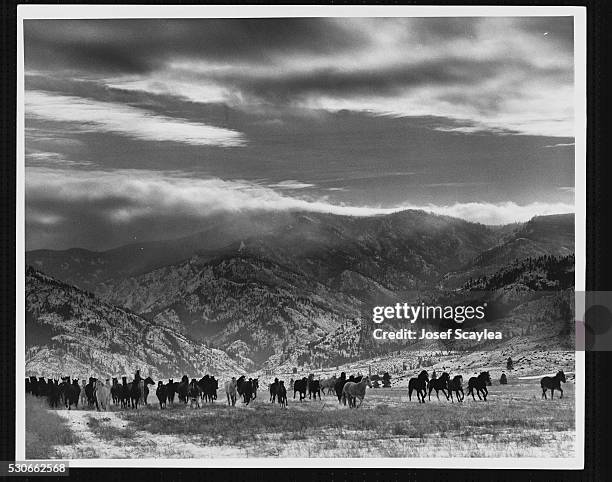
(281, 234)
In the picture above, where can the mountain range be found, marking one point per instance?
(286, 288)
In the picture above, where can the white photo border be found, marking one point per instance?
(25, 12)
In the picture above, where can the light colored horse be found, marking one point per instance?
(102, 395)
(329, 383)
(230, 391)
(353, 391)
(83, 395)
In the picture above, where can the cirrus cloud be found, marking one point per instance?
(88, 115)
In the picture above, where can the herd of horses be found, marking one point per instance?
(100, 393)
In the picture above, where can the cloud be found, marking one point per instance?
(567, 144)
(131, 197)
(498, 74)
(291, 184)
(88, 115)
(35, 157)
(143, 45)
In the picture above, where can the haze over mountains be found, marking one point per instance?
(273, 288)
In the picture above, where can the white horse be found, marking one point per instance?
(230, 391)
(102, 395)
(83, 395)
(353, 391)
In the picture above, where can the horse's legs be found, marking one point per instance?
(561, 390)
(437, 395)
(552, 393)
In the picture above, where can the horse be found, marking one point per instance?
(83, 394)
(102, 395)
(135, 390)
(314, 388)
(171, 387)
(162, 394)
(53, 394)
(209, 388)
(456, 385)
(300, 386)
(115, 391)
(282, 394)
(255, 385)
(71, 393)
(437, 384)
(41, 387)
(480, 384)
(353, 391)
(420, 385)
(194, 393)
(329, 384)
(182, 388)
(230, 391)
(339, 386)
(245, 389)
(144, 386)
(125, 393)
(91, 393)
(274, 390)
(552, 384)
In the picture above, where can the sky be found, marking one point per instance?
(143, 129)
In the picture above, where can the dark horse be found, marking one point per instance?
(245, 389)
(552, 384)
(300, 386)
(314, 388)
(182, 388)
(72, 391)
(274, 390)
(456, 385)
(438, 384)
(171, 388)
(282, 394)
(194, 393)
(339, 386)
(209, 386)
(116, 391)
(420, 385)
(255, 387)
(480, 384)
(90, 392)
(162, 394)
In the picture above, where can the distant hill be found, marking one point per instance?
(70, 331)
(297, 288)
(540, 236)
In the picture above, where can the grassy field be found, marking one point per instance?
(46, 431)
(515, 422)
